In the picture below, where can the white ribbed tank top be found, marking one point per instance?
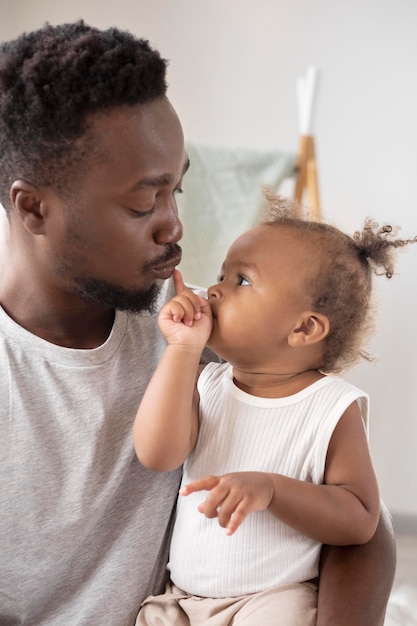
(240, 432)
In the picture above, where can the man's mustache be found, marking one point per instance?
(173, 251)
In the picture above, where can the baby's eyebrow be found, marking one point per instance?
(238, 266)
(245, 264)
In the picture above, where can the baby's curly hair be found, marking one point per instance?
(339, 277)
(51, 80)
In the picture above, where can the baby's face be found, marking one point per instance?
(260, 295)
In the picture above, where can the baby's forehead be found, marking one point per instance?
(299, 249)
(265, 243)
(277, 235)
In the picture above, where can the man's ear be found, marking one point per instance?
(310, 328)
(26, 199)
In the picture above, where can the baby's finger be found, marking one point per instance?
(214, 502)
(237, 517)
(202, 484)
(172, 310)
(178, 282)
(191, 307)
(182, 291)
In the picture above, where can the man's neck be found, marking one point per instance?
(71, 324)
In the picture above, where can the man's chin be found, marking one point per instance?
(110, 296)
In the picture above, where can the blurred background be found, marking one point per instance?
(232, 75)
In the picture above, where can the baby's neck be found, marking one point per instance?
(267, 385)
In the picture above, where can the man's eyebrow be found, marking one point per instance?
(162, 180)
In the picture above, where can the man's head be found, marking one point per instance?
(91, 154)
(51, 81)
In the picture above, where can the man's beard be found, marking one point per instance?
(111, 296)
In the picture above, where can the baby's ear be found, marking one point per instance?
(311, 327)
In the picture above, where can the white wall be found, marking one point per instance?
(234, 65)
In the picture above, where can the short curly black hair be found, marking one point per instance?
(339, 276)
(51, 80)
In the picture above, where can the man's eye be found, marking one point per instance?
(141, 213)
(179, 190)
(243, 282)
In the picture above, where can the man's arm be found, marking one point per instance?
(356, 581)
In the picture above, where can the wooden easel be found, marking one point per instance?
(307, 176)
(306, 179)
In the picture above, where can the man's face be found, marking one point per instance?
(117, 237)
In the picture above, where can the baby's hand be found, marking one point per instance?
(187, 318)
(233, 496)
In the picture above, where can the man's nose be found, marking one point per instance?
(169, 228)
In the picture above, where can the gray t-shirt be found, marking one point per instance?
(83, 526)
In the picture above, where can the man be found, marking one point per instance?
(92, 155)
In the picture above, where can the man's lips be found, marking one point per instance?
(166, 268)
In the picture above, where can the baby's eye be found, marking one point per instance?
(220, 278)
(243, 282)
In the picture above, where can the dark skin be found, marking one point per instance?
(344, 600)
(120, 230)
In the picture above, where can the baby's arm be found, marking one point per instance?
(343, 511)
(166, 424)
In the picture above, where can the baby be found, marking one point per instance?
(269, 436)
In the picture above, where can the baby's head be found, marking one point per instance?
(337, 276)
(326, 274)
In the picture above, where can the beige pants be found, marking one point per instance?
(288, 605)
